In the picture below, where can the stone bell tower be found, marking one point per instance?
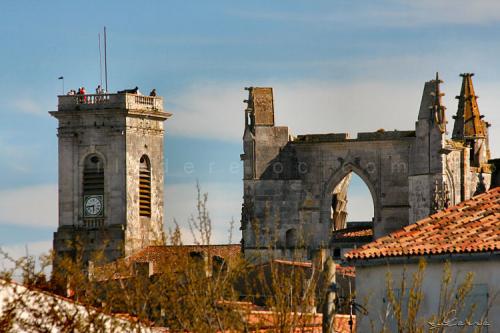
(111, 172)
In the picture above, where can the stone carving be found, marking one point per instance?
(339, 203)
(438, 109)
(441, 197)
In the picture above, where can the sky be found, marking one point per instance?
(335, 66)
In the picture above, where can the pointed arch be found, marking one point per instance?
(335, 179)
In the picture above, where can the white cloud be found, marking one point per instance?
(215, 110)
(14, 155)
(37, 206)
(17, 251)
(325, 107)
(33, 249)
(31, 206)
(28, 106)
(314, 107)
(29, 103)
(445, 11)
(224, 203)
(396, 13)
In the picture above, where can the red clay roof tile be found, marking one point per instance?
(471, 226)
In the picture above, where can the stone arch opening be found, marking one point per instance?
(291, 238)
(352, 203)
(360, 203)
(350, 189)
(339, 181)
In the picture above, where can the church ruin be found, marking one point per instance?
(295, 186)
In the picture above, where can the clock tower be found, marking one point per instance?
(111, 172)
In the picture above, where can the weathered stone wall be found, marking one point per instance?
(82, 133)
(426, 163)
(144, 137)
(453, 166)
(119, 137)
(289, 181)
(316, 168)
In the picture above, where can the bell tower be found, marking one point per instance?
(111, 172)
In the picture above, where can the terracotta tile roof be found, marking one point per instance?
(307, 264)
(469, 227)
(267, 322)
(346, 270)
(350, 234)
(341, 270)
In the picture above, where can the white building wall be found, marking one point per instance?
(371, 289)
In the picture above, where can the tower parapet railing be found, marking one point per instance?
(90, 223)
(109, 101)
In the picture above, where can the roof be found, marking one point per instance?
(262, 320)
(340, 270)
(307, 264)
(353, 234)
(473, 226)
(468, 123)
(162, 255)
(31, 303)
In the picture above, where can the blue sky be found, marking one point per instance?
(335, 66)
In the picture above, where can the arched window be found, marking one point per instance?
(218, 264)
(93, 187)
(291, 238)
(144, 187)
(93, 175)
(358, 212)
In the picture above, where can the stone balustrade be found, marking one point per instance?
(95, 223)
(109, 101)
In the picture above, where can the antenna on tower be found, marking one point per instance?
(105, 60)
(100, 59)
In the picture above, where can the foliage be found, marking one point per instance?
(404, 301)
(200, 292)
(184, 292)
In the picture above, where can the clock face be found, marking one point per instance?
(93, 205)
